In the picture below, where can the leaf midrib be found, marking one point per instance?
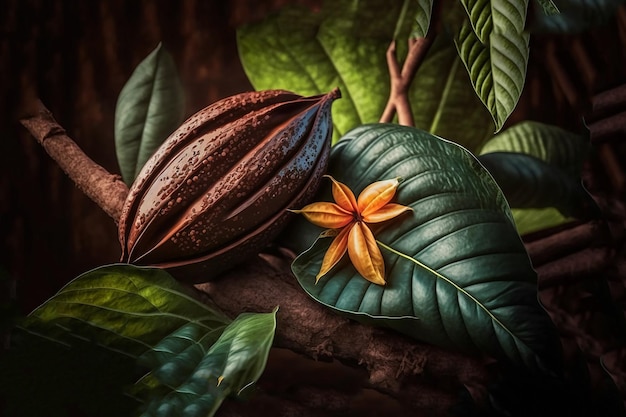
(449, 281)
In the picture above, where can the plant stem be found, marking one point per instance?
(401, 79)
(107, 190)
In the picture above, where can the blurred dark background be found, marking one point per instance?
(76, 56)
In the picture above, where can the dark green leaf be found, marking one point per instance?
(557, 147)
(563, 153)
(123, 307)
(344, 45)
(149, 108)
(548, 7)
(575, 16)
(41, 377)
(528, 182)
(457, 274)
(192, 378)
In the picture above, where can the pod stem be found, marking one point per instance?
(107, 190)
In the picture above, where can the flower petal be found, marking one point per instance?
(343, 195)
(365, 254)
(324, 214)
(376, 195)
(335, 252)
(388, 211)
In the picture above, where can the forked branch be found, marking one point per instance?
(401, 78)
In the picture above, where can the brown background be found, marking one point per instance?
(77, 55)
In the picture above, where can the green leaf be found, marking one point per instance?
(344, 45)
(479, 13)
(555, 146)
(123, 307)
(528, 182)
(422, 19)
(458, 274)
(149, 108)
(494, 48)
(575, 16)
(563, 153)
(533, 220)
(443, 101)
(42, 377)
(548, 7)
(198, 376)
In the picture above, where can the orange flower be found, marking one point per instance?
(347, 218)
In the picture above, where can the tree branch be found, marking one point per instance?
(107, 190)
(393, 361)
(304, 326)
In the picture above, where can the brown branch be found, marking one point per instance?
(105, 189)
(304, 326)
(574, 267)
(307, 327)
(557, 245)
(401, 79)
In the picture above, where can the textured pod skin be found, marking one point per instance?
(217, 190)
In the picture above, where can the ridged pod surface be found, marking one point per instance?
(218, 189)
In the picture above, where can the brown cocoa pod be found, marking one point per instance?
(218, 189)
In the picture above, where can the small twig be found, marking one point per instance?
(105, 189)
(401, 79)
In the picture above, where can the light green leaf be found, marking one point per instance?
(124, 308)
(533, 220)
(192, 377)
(575, 16)
(344, 45)
(149, 108)
(457, 272)
(443, 102)
(480, 17)
(496, 63)
(341, 46)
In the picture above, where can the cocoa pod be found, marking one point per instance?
(218, 189)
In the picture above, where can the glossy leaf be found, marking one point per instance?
(123, 307)
(575, 16)
(563, 153)
(528, 182)
(494, 47)
(344, 45)
(192, 378)
(457, 273)
(558, 147)
(149, 108)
